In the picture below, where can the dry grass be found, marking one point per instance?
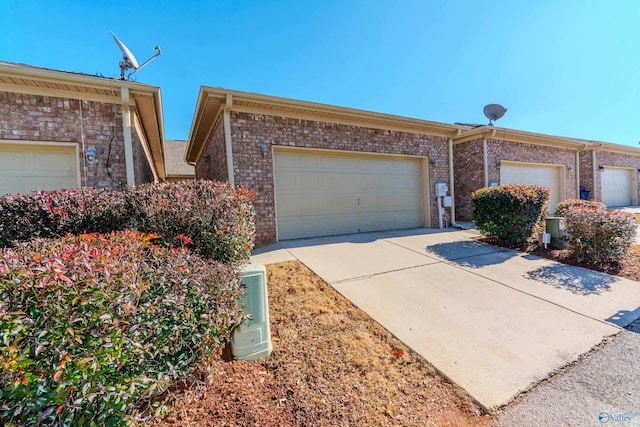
(332, 365)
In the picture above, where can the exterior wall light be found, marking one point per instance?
(498, 164)
(265, 150)
(434, 162)
(91, 155)
(206, 157)
(601, 168)
(570, 169)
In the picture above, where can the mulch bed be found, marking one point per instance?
(628, 268)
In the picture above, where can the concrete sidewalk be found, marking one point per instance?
(494, 321)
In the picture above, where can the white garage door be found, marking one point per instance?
(534, 174)
(26, 167)
(320, 194)
(617, 186)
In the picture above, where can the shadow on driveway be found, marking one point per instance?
(628, 319)
(470, 254)
(580, 281)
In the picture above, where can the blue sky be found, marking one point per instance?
(562, 67)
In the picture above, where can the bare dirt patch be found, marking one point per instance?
(332, 365)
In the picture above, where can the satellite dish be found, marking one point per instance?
(129, 61)
(494, 112)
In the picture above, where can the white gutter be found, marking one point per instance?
(128, 142)
(594, 160)
(226, 118)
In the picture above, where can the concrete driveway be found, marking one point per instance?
(494, 321)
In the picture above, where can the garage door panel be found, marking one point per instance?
(12, 160)
(325, 193)
(617, 186)
(403, 220)
(333, 164)
(531, 174)
(54, 163)
(408, 168)
(27, 167)
(316, 226)
(376, 221)
(284, 163)
(307, 162)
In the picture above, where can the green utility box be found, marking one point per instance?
(555, 227)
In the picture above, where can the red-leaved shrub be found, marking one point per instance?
(565, 206)
(597, 234)
(215, 215)
(56, 213)
(96, 328)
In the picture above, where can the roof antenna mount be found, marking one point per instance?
(129, 61)
(493, 112)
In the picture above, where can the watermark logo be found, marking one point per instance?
(608, 417)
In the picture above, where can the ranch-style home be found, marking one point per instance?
(320, 169)
(571, 168)
(63, 130)
(316, 169)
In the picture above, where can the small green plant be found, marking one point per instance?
(509, 213)
(96, 328)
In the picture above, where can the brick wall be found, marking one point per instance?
(586, 172)
(251, 168)
(469, 169)
(142, 169)
(52, 119)
(468, 176)
(216, 167)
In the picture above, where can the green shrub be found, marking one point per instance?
(565, 206)
(509, 213)
(598, 235)
(56, 213)
(215, 215)
(95, 328)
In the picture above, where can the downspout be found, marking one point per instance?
(451, 187)
(226, 119)
(485, 163)
(128, 141)
(594, 160)
(195, 169)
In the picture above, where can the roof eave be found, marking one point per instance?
(212, 100)
(493, 132)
